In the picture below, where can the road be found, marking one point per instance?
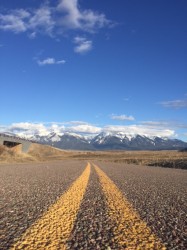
(99, 205)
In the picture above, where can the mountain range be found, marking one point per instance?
(109, 141)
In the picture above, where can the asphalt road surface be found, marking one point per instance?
(80, 205)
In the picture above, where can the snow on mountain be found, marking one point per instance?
(54, 137)
(108, 141)
(104, 136)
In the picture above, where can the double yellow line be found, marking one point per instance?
(53, 229)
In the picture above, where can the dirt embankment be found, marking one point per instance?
(37, 152)
(8, 155)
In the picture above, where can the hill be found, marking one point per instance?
(37, 152)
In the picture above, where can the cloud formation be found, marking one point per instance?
(84, 129)
(140, 130)
(165, 124)
(76, 123)
(122, 117)
(66, 15)
(27, 129)
(82, 45)
(15, 21)
(75, 18)
(174, 104)
(50, 61)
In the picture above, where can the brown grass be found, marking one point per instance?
(13, 155)
(165, 158)
(46, 153)
(38, 152)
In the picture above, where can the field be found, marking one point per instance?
(40, 153)
(53, 199)
(169, 159)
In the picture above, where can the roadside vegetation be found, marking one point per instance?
(38, 152)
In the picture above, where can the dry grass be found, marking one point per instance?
(13, 155)
(140, 156)
(47, 153)
(38, 152)
(165, 158)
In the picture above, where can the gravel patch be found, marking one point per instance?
(158, 195)
(27, 191)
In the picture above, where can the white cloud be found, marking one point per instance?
(141, 130)
(32, 35)
(75, 18)
(46, 61)
(86, 129)
(36, 20)
(66, 15)
(55, 128)
(15, 21)
(61, 62)
(42, 20)
(174, 104)
(50, 61)
(79, 39)
(29, 129)
(76, 123)
(172, 124)
(82, 45)
(72, 13)
(158, 124)
(122, 117)
(54, 21)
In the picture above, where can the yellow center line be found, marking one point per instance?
(130, 231)
(53, 229)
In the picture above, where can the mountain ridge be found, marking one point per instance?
(109, 141)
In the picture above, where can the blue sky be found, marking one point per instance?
(92, 66)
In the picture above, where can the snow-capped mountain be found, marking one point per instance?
(109, 141)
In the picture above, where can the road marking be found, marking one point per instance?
(130, 231)
(53, 229)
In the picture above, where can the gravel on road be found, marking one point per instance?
(27, 191)
(130, 231)
(52, 230)
(93, 228)
(156, 196)
(159, 195)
